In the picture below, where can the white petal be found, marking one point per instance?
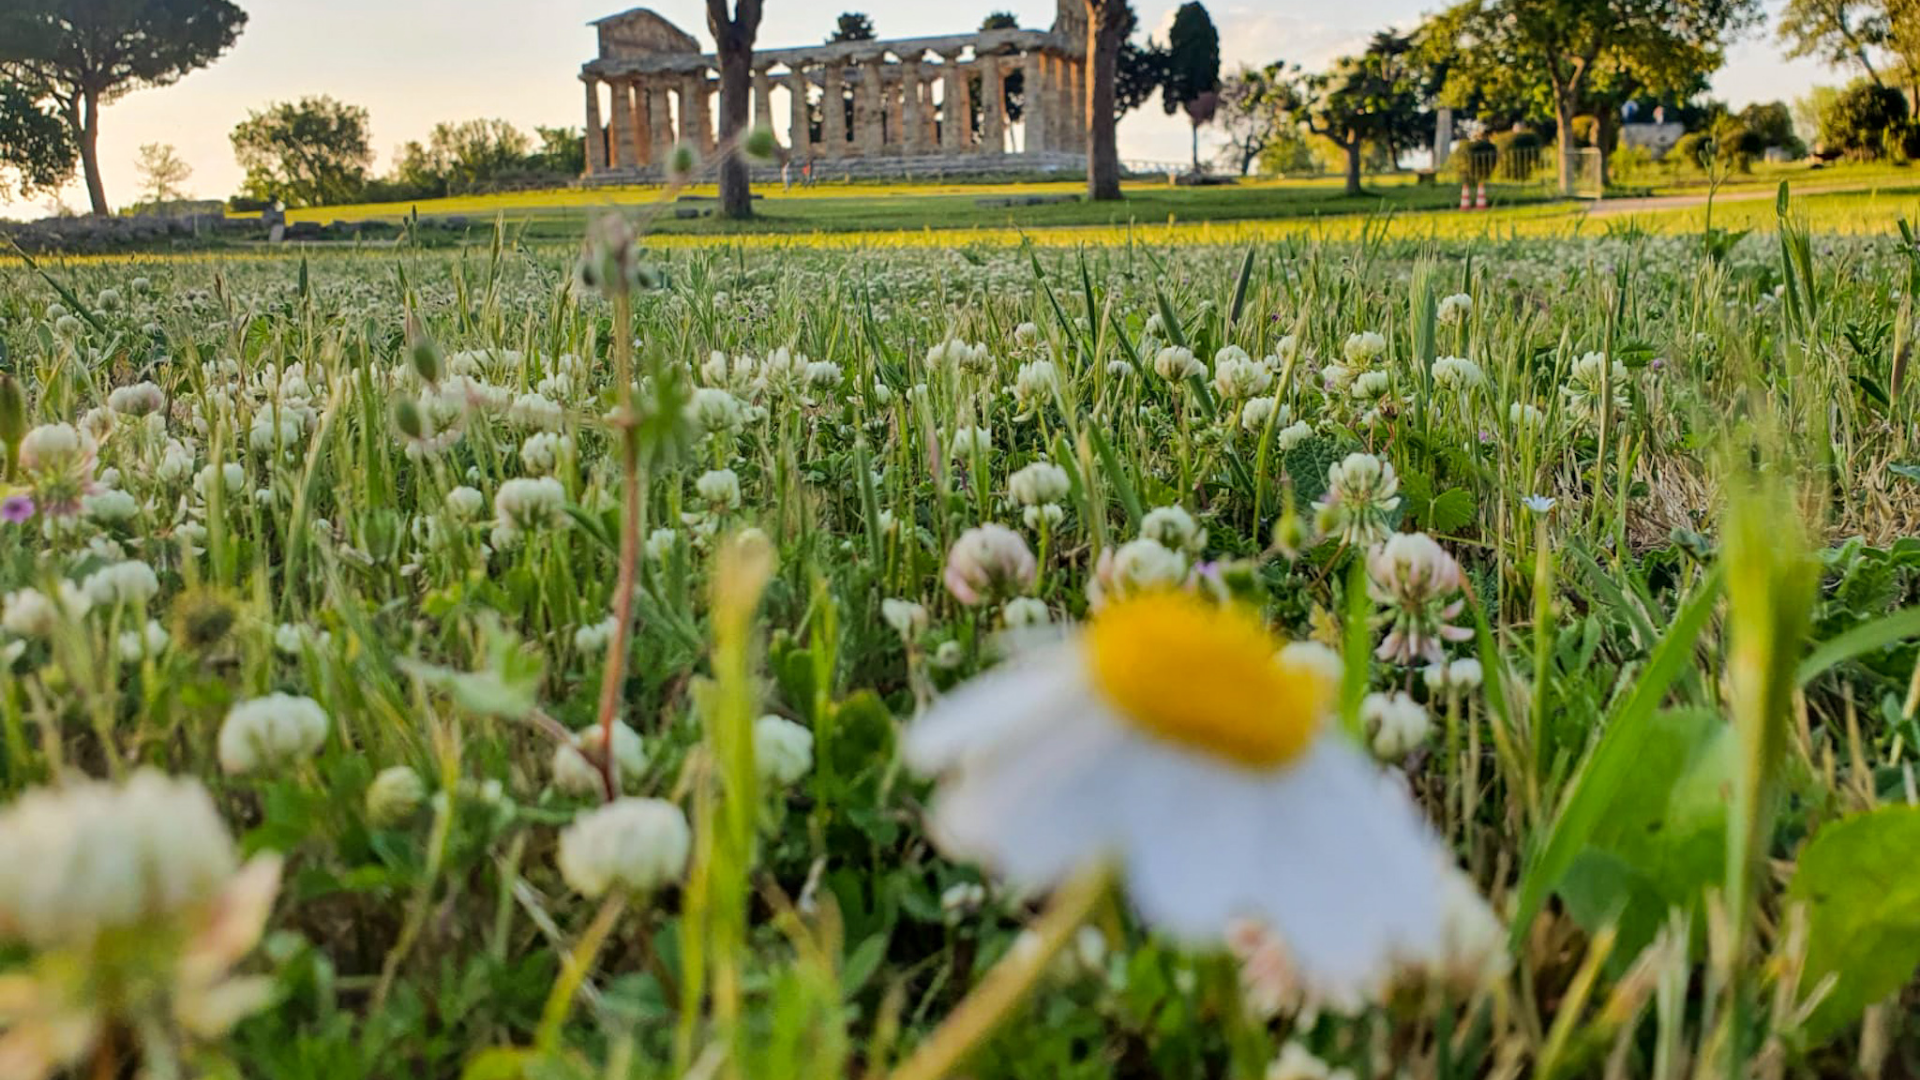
(996, 707)
(1338, 862)
(1037, 815)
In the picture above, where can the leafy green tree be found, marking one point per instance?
(562, 150)
(1863, 119)
(733, 36)
(1772, 125)
(163, 174)
(1370, 98)
(851, 26)
(85, 54)
(36, 149)
(1253, 113)
(312, 152)
(1192, 81)
(1835, 32)
(1583, 54)
(1000, 20)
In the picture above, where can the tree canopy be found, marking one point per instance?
(85, 54)
(851, 26)
(36, 149)
(307, 153)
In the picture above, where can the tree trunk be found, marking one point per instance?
(1605, 129)
(736, 88)
(88, 136)
(1196, 147)
(1352, 147)
(1563, 137)
(1104, 20)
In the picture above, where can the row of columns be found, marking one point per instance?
(894, 111)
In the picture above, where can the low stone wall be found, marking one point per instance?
(925, 167)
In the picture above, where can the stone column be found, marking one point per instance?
(762, 100)
(622, 140)
(896, 89)
(659, 119)
(872, 118)
(703, 112)
(993, 107)
(833, 112)
(929, 113)
(693, 87)
(913, 119)
(1077, 97)
(799, 134)
(1060, 105)
(1033, 97)
(956, 114)
(596, 134)
(642, 122)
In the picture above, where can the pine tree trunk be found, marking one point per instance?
(89, 139)
(1563, 138)
(736, 88)
(1104, 20)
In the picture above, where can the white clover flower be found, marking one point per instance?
(1176, 363)
(1296, 1062)
(1120, 369)
(535, 410)
(962, 899)
(1237, 377)
(1361, 492)
(271, 732)
(137, 645)
(1023, 611)
(949, 655)
(107, 858)
(1046, 515)
(274, 429)
(1038, 484)
(636, 844)
(1257, 411)
(715, 409)
(110, 506)
(1520, 414)
(465, 503)
(719, 489)
(968, 441)
(1457, 373)
(131, 583)
(576, 769)
(959, 354)
(1462, 674)
(907, 618)
(1418, 582)
(176, 462)
(1370, 386)
(139, 399)
(1144, 565)
(823, 374)
(543, 451)
(1314, 656)
(593, 637)
(1362, 349)
(1175, 529)
(232, 475)
(1455, 308)
(1337, 378)
(525, 503)
(782, 750)
(660, 544)
(1026, 333)
(988, 560)
(1592, 378)
(1395, 723)
(1034, 383)
(395, 794)
(1293, 435)
(53, 446)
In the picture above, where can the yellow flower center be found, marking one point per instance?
(1205, 677)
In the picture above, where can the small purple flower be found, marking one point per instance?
(15, 509)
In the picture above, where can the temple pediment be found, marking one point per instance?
(642, 32)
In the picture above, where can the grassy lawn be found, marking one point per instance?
(855, 207)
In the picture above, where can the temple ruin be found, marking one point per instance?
(991, 101)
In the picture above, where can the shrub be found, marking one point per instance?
(1864, 120)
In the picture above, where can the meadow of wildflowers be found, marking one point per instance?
(1305, 659)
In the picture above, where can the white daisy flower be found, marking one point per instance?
(1168, 737)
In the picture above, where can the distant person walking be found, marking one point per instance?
(806, 174)
(786, 175)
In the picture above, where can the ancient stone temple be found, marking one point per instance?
(995, 100)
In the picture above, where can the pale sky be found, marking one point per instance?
(413, 63)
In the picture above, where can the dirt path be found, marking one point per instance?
(1612, 207)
